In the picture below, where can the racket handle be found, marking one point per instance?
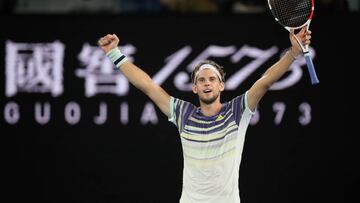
(311, 69)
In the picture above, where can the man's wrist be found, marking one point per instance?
(116, 57)
(292, 54)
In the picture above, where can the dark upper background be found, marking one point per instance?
(156, 6)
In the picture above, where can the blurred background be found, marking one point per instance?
(156, 6)
(74, 130)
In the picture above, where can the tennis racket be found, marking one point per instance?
(294, 14)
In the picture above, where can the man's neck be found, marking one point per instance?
(210, 109)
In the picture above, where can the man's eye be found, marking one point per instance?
(212, 79)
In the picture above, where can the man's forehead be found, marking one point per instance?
(206, 73)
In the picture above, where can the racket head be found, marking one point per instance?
(292, 14)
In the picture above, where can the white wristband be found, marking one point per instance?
(116, 56)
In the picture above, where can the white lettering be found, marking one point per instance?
(42, 113)
(34, 67)
(101, 118)
(149, 114)
(295, 72)
(279, 109)
(99, 73)
(260, 57)
(12, 113)
(172, 62)
(72, 113)
(124, 113)
(305, 117)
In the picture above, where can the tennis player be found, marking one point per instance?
(213, 133)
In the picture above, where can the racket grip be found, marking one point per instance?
(311, 69)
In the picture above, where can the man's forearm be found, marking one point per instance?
(277, 70)
(136, 76)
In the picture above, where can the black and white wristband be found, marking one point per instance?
(116, 57)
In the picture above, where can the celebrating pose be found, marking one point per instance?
(213, 133)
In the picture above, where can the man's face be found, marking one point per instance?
(208, 86)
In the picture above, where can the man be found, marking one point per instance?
(212, 134)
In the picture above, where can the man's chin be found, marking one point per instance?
(209, 100)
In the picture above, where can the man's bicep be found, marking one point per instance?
(142, 81)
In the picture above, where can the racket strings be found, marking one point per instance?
(291, 13)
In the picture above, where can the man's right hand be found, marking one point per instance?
(108, 42)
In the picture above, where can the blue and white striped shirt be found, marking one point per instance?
(212, 149)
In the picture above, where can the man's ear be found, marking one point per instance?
(222, 86)
(194, 89)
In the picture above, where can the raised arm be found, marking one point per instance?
(135, 75)
(261, 86)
